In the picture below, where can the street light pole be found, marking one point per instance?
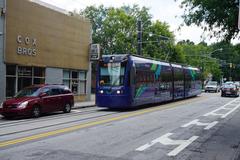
(139, 37)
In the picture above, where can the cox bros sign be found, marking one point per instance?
(26, 45)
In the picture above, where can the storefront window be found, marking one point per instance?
(66, 74)
(83, 82)
(66, 78)
(19, 77)
(39, 75)
(75, 80)
(66, 83)
(39, 81)
(11, 70)
(24, 82)
(11, 80)
(39, 72)
(75, 85)
(10, 86)
(74, 75)
(24, 71)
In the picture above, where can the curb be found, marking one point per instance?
(86, 106)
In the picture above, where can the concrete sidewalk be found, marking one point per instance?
(86, 103)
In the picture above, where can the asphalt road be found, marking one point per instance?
(201, 128)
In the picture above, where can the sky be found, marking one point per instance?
(164, 10)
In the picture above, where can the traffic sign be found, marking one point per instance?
(94, 52)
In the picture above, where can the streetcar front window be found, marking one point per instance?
(111, 74)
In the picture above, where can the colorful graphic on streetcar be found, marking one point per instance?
(126, 81)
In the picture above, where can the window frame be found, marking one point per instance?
(17, 76)
(79, 80)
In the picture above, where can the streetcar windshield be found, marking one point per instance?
(111, 74)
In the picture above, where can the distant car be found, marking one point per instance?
(212, 86)
(229, 89)
(38, 99)
(237, 83)
(229, 82)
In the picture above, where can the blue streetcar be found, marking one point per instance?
(127, 81)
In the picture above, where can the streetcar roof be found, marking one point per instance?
(177, 65)
(145, 60)
(190, 68)
(140, 59)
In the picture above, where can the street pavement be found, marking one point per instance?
(200, 128)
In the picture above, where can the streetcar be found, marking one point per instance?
(128, 81)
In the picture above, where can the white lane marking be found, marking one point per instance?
(196, 122)
(224, 107)
(211, 125)
(167, 141)
(224, 116)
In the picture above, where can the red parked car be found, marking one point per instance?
(38, 99)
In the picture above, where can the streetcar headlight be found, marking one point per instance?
(1, 106)
(23, 105)
(101, 91)
(118, 92)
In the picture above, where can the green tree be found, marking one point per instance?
(178, 55)
(229, 55)
(220, 17)
(199, 56)
(155, 45)
(116, 30)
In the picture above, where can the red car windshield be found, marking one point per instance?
(28, 92)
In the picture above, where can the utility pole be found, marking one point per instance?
(202, 68)
(139, 37)
(230, 66)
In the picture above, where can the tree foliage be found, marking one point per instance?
(199, 55)
(229, 59)
(115, 29)
(219, 17)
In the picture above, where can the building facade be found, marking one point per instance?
(41, 45)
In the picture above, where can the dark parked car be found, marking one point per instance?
(38, 99)
(230, 89)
